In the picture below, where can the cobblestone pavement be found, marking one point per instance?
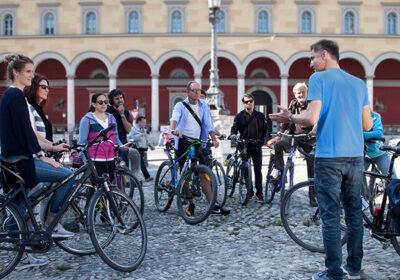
(250, 243)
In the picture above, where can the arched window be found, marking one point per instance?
(176, 21)
(91, 23)
(98, 74)
(133, 22)
(349, 23)
(220, 21)
(306, 22)
(8, 25)
(392, 23)
(49, 24)
(263, 22)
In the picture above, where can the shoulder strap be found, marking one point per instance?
(195, 116)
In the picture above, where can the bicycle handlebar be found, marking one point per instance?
(280, 134)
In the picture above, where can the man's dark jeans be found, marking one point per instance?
(337, 178)
(255, 153)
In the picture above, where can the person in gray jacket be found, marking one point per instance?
(139, 136)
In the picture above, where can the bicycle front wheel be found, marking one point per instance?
(270, 188)
(164, 187)
(286, 182)
(230, 177)
(221, 183)
(126, 181)
(197, 194)
(11, 222)
(302, 221)
(245, 183)
(126, 237)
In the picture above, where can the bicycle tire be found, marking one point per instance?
(164, 187)
(245, 183)
(123, 254)
(394, 226)
(270, 188)
(302, 221)
(230, 177)
(195, 192)
(288, 167)
(74, 219)
(220, 178)
(10, 258)
(132, 187)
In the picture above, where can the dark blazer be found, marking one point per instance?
(16, 134)
(240, 125)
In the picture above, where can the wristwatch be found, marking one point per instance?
(290, 117)
(123, 116)
(39, 155)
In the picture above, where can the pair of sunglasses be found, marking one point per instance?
(44, 87)
(248, 101)
(101, 102)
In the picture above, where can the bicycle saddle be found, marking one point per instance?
(11, 160)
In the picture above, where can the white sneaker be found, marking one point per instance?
(353, 276)
(60, 232)
(30, 261)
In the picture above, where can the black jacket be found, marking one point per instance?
(16, 134)
(241, 125)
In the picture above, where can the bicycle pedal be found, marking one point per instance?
(386, 244)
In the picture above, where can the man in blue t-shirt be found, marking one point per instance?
(338, 103)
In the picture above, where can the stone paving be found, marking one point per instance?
(250, 243)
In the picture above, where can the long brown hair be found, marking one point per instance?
(32, 90)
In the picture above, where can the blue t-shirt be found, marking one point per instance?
(343, 96)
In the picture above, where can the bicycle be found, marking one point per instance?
(284, 184)
(168, 183)
(303, 223)
(238, 170)
(111, 213)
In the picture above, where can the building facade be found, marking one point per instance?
(151, 48)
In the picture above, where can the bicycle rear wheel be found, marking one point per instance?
(230, 177)
(270, 188)
(301, 221)
(10, 221)
(221, 183)
(126, 181)
(202, 193)
(164, 187)
(245, 183)
(126, 239)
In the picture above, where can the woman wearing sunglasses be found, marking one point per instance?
(90, 126)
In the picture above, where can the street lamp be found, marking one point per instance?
(214, 95)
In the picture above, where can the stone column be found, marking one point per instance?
(370, 87)
(284, 90)
(197, 78)
(70, 103)
(240, 91)
(154, 103)
(112, 82)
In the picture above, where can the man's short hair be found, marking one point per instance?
(248, 95)
(113, 94)
(141, 118)
(188, 88)
(298, 85)
(328, 45)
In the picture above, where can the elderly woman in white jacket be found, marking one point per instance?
(139, 136)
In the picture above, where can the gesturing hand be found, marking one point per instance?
(282, 116)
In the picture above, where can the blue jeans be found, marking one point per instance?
(383, 163)
(47, 173)
(339, 180)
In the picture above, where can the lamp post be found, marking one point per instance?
(214, 95)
